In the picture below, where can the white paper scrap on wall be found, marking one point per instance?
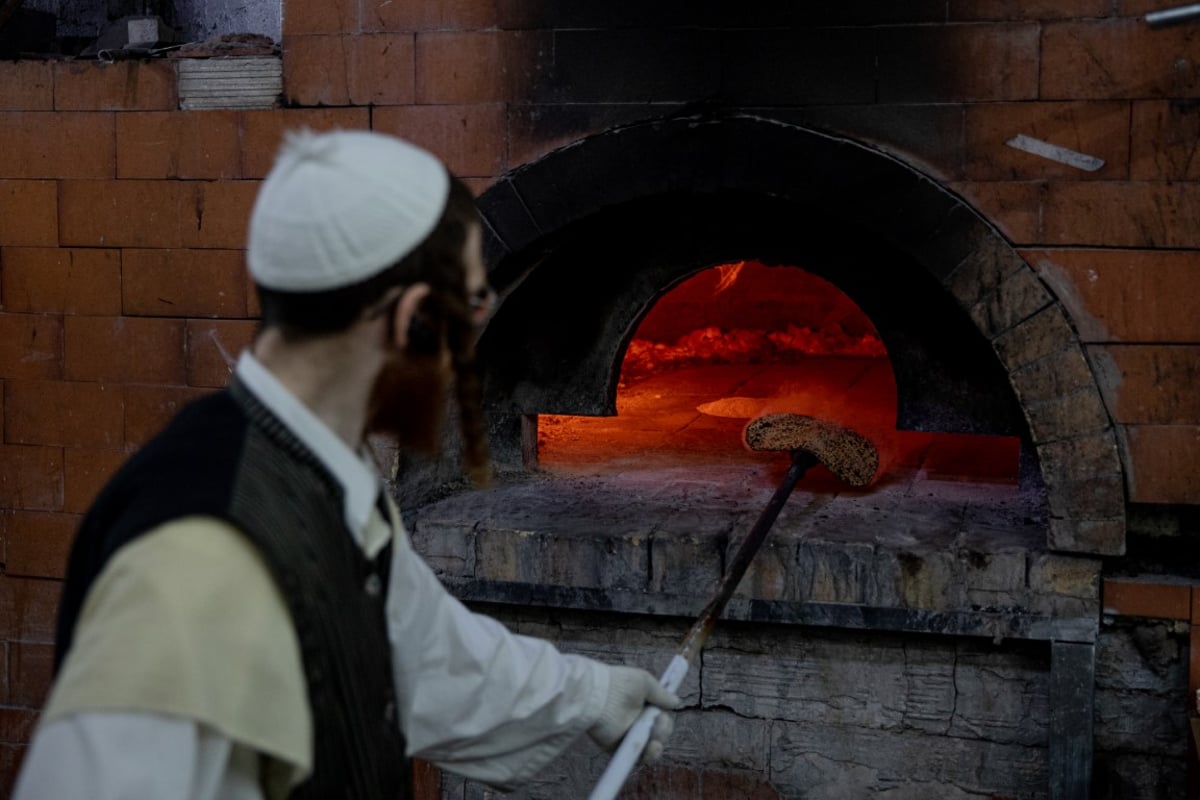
(1055, 153)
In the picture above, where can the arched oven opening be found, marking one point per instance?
(647, 335)
(740, 340)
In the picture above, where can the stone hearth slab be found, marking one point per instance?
(964, 560)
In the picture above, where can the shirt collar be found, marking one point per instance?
(356, 472)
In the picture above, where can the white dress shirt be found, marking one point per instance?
(473, 697)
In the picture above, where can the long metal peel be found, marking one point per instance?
(849, 455)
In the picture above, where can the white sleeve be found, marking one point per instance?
(475, 698)
(119, 755)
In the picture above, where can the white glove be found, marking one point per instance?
(629, 691)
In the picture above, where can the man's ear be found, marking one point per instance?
(415, 330)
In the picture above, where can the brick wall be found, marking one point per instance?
(122, 218)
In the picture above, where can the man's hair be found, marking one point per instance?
(446, 312)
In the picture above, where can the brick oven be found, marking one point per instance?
(965, 229)
(970, 537)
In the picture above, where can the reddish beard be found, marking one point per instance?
(408, 402)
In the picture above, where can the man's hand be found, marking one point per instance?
(629, 691)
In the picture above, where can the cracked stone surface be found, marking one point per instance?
(822, 714)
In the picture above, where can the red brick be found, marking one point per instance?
(29, 671)
(477, 66)
(47, 144)
(184, 283)
(1122, 214)
(126, 349)
(1163, 463)
(1163, 138)
(63, 413)
(28, 607)
(314, 71)
(253, 308)
(1139, 8)
(26, 85)
(62, 280)
(178, 144)
(1150, 384)
(126, 213)
(213, 349)
(28, 213)
(263, 131)
(471, 139)
(149, 408)
(1117, 58)
(1027, 9)
(1127, 296)
(1133, 598)
(85, 471)
(30, 477)
(38, 543)
(531, 135)
(120, 86)
(430, 15)
(380, 69)
(320, 16)
(364, 69)
(1015, 208)
(222, 211)
(942, 63)
(30, 346)
(1098, 129)
(16, 725)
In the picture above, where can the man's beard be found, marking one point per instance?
(408, 403)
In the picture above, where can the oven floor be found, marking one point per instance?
(678, 431)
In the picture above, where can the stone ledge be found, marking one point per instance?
(996, 625)
(651, 544)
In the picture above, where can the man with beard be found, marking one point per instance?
(244, 616)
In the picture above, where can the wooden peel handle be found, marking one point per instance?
(629, 753)
(802, 462)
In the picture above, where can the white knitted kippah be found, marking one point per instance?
(339, 207)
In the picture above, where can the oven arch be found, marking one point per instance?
(581, 241)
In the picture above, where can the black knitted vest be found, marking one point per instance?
(227, 456)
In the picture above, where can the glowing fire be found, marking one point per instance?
(711, 345)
